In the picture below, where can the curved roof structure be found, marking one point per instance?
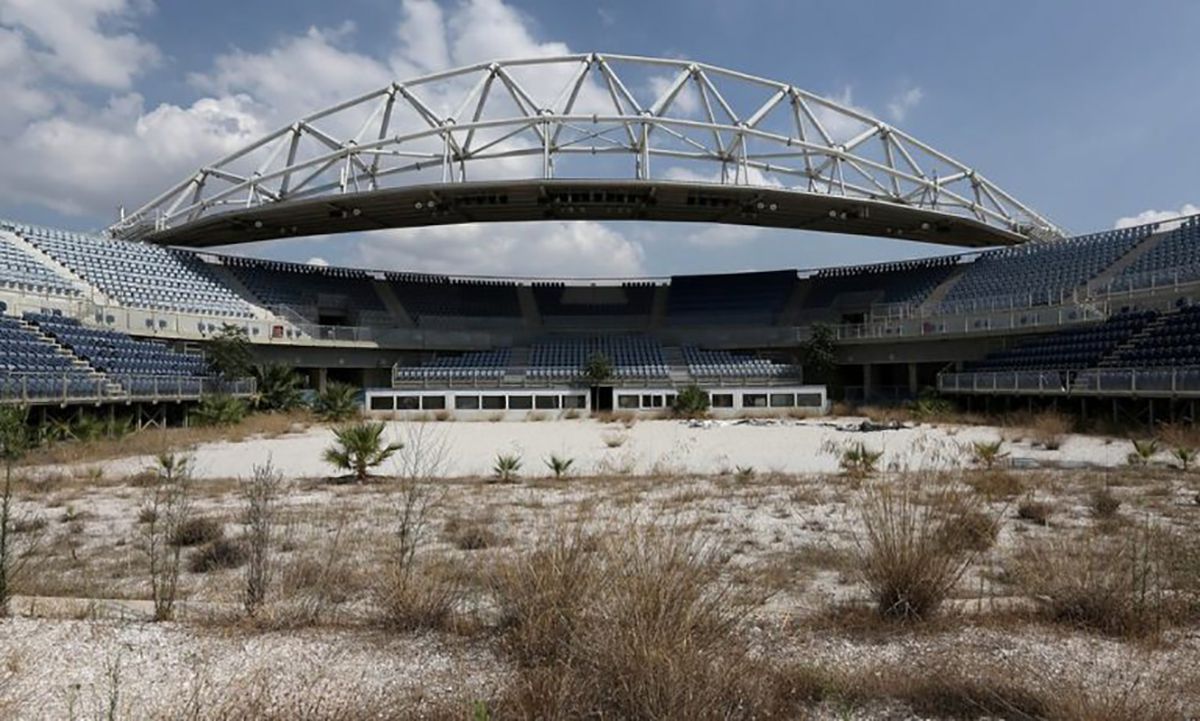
(587, 136)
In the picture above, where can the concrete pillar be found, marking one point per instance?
(322, 377)
(914, 385)
(867, 385)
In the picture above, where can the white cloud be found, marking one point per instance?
(1156, 216)
(723, 236)
(841, 127)
(900, 105)
(89, 165)
(319, 262)
(298, 76)
(73, 39)
(544, 248)
(687, 100)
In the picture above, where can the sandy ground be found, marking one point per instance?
(658, 447)
(789, 530)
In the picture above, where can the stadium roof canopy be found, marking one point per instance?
(590, 136)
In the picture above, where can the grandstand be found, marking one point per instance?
(1073, 307)
(1030, 312)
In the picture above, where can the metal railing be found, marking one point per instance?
(520, 379)
(1121, 286)
(43, 388)
(1091, 382)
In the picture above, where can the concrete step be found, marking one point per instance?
(938, 294)
(1148, 244)
(529, 310)
(229, 279)
(390, 301)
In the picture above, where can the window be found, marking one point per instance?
(493, 403)
(754, 400)
(783, 400)
(520, 403)
(812, 400)
(627, 402)
(545, 403)
(722, 400)
(433, 403)
(466, 403)
(408, 403)
(383, 403)
(574, 401)
(647, 401)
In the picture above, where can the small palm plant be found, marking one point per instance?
(506, 468)
(1186, 456)
(359, 448)
(1143, 451)
(338, 402)
(988, 453)
(559, 465)
(278, 387)
(859, 461)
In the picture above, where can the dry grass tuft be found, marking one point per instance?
(1131, 586)
(995, 484)
(195, 531)
(640, 627)
(219, 554)
(1035, 511)
(1049, 429)
(1104, 504)
(470, 535)
(904, 558)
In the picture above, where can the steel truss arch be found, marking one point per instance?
(584, 117)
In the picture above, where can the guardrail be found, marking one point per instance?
(482, 381)
(42, 388)
(1172, 382)
(1145, 283)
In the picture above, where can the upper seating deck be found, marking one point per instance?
(426, 296)
(734, 298)
(626, 299)
(305, 286)
(22, 272)
(1040, 273)
(1176, 257)
(138, 275)
(903, 282)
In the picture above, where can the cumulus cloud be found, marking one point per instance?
(687, 100)
(73, 39)
(1155, 216)
(723, 236)
(65, 152)
(546, 248)
(900, 105)
(87, 166)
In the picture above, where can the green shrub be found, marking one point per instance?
(218, 554)
(506, 467)
(359, 448)
(559, 465)
(219, 410)
(1143, 452)
(337, 403)
(858, 461)
(195, 531)
(691, 402)
(988, 453)
(278, 387)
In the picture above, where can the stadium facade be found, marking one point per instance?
(1101, 322)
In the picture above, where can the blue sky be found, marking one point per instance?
(1086, 111)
